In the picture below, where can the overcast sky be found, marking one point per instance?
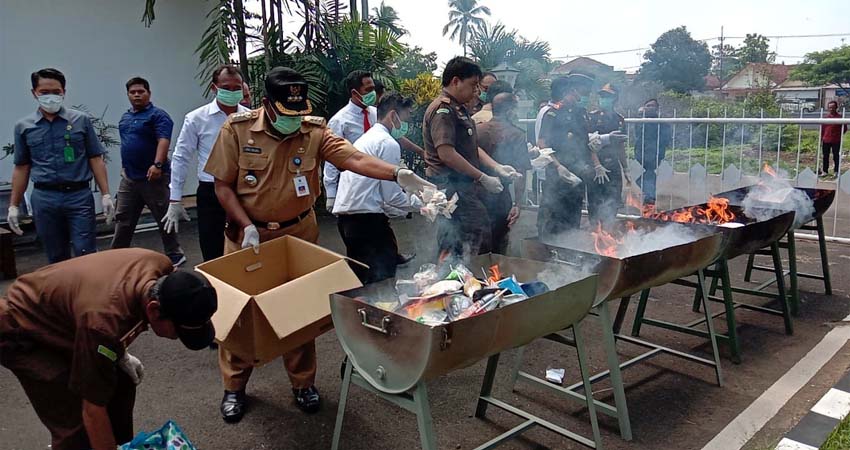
(580, 28)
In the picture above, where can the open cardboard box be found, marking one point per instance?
(274, 302)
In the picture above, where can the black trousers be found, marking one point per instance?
(498, 207)
(827, 149)
(211, 220)
(369, 239)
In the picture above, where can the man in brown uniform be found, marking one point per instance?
(505, 143)
(454, 161)
(64, 330)
(266, 167)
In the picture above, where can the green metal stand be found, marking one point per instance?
(610, 333)
(416, 401)
(790, 244)
(720, 275)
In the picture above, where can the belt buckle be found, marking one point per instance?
(273, 226)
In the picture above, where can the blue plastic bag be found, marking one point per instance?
(169, 437)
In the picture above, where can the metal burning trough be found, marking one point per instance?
(623, 275)
(821, 199)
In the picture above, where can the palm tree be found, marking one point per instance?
(465, 17)
(387, 17)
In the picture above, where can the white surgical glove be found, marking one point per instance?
(251, 238)
(329, 204)
(616, 137)
(108, 208)
(13, 218)
(176, 212)
(410, 182)
(601, 176)
(132, 367)
(491, 184)
(568, 177)
(507, 172)
(594, 141)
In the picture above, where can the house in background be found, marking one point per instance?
(792, 95)
(99, 45)
(603, 72)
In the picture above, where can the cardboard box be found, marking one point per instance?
(271, 303)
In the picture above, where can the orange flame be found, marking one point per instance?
(606, 243)
(495, 274)
(633, 200)
(769, 170)
(716, 212)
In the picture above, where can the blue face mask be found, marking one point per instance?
(583, 101)
(606, 103)
(228, 98)
(287, 124)
(401, 131)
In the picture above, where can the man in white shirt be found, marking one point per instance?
(362, 203)
(199, 132)
(350, 122)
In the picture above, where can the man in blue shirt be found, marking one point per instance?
(145, 135)
(59, 149)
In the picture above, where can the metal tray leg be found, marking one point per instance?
(824, 259)
(584, 368)
(782, 295)
(487, 384)
(423, 417)
(748, 274)
(710, 325)
(641, 310)
(729, 303)
(343, 399)
(613, 366)
(621, 313)
(792, 272)
(517, 367)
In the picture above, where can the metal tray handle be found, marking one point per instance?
(364, 320)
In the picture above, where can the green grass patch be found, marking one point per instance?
(839, 439)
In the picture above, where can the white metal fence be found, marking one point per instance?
(707, 155)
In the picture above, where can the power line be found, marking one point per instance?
(789, 36)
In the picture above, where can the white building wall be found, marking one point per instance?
(99, 45)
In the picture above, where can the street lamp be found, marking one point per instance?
(505, 73)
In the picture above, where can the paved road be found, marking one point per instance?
(673, 404)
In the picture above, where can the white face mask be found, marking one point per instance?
(50, 103)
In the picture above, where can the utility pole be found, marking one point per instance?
(364, 10)
(720, 70)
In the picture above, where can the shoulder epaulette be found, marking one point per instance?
(243, 116)
(314, 120)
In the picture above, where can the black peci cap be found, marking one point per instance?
(188, 300)
(287, 92)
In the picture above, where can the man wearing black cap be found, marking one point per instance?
(266, 165)
(65, 329)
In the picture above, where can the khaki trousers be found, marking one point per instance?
(300, 363)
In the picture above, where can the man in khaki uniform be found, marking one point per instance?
(65, 328)
(266, 165)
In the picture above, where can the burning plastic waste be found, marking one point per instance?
(773, 191)
(627, 239)
(434, 300)
(715, 212)
(436, 203)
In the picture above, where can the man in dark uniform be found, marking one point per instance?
(603, 200)
(564, 129)
(454, 163)
(505, 143)
(266, 165)
(65, 328)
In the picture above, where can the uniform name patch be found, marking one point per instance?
(254, 150)
(443, 111)
(107, 353)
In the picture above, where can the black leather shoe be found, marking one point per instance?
(307, 399)
(233, 406)
(404, 258)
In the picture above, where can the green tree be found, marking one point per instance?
(755, 49)
(677, 61)
(491, 46)
(387, 17)
(730, 64)
(465, 17)
(414, 61)
(825, 67)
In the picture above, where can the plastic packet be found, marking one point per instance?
(436, 203)
(426, 276)
(433, 317)
(544, 159)
(442, 287)
(456, 305)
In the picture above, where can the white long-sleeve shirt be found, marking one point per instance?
(346, 123)
(199, 132)
(362, 195)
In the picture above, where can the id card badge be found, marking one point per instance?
(68, 153)
(302, 189)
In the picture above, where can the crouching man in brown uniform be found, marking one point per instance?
(65, 328)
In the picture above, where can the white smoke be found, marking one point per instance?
(643, 239)
(777, 193)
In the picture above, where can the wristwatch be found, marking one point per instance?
(157, 164)
(395, 173)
